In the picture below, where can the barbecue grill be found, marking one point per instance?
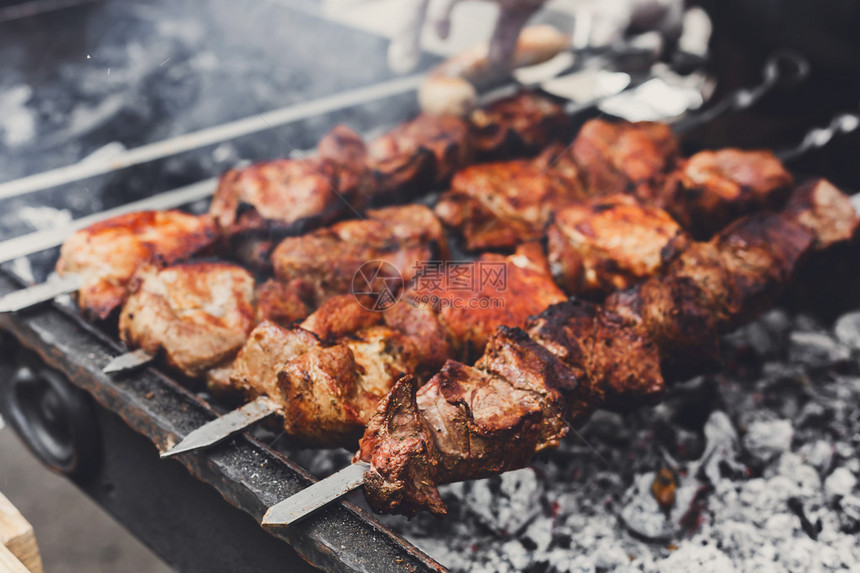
(103, 431)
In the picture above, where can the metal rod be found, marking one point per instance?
(221, 428)
(128, 361)
(36, 294)
(227, 131)
(315, 496)
(42, 240)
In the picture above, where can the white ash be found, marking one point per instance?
(766, 440)
(839, 484)
(766, 458)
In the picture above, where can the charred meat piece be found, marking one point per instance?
(268, 348)
(340, 316)
(108, 253)
(613, 359)
(632, 158)
(517, 125)
(472, 422)
(609, 244)
(715, 187)
(426, 150)
(473, 299)
(327, 391)
(392, 241)
(825, 211)
(196, 314)
(281, 194)
(501, 205)
(421, 323)
(465, 423)
(284, 303)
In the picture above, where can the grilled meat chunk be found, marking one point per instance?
(501, 205)
(282, 193)
(340, 316)
(521, 124)
(472, 422)
(107, 254)
(624, 157)
(284, 303)
(400, 157)
(196, 314)
(473, 299)
(422, 324)
(400, 237)
(327, 392)
(825, 211)
(714, 187)
(609, 244)
(267, 350)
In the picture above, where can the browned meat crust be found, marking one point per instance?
(428, 147)
(284, 303)
(282, 193)
(518, 125)
(328, 389)
(624, 157)
(108, 253)
(494, 291)
(714, 187)
(501, 205)
(473, 422)
(329, 258)
(196, 314)
(609, 244)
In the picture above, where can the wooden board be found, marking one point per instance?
(9, 563)
(18, 548)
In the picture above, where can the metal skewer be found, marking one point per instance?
(128, 361)
(221, 428)
(36, 294)
(314, 497)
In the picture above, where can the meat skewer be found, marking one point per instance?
(346, 177)
(498, 205)
(531, 385)
(98, 262)
(614, 242)
(179, 310)
(346, 355)
(344, 152)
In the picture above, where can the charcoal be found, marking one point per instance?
(816, 349)
(505, 503)
(691, 558)
(847, 330)
(767, 440)
(818, 454)
(721, 449)
(849, 513)
(642, 514)
(839, 484)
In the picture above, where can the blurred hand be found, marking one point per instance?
(405, 48)
(599, 23)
